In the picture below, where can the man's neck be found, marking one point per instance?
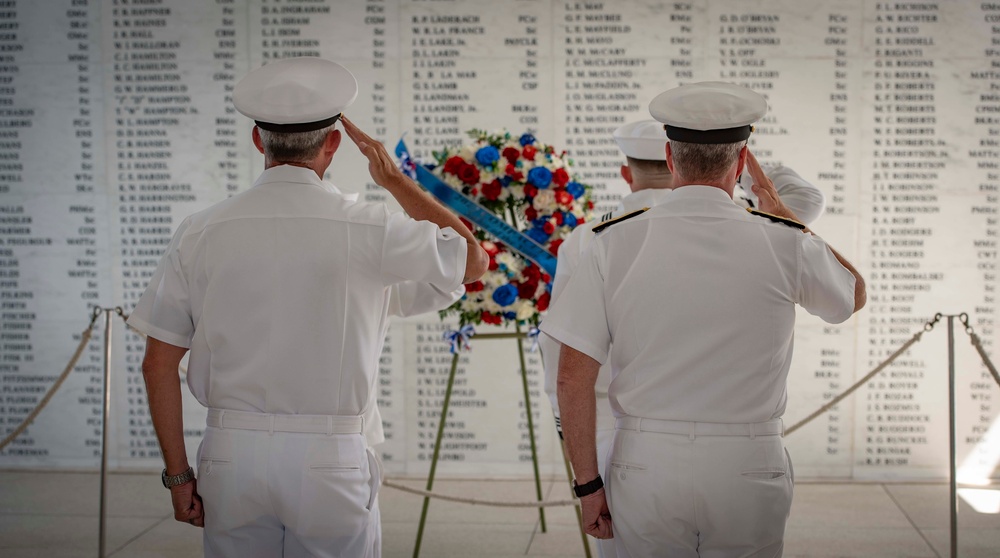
(314, 166)
(727, 189)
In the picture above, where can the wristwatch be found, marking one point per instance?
(589, 488)
(177, 480)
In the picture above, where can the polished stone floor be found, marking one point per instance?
(45, 514)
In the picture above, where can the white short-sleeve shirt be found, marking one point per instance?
(699, 298)
(576, 245)
(282, 294)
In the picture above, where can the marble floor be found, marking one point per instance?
(52, 515)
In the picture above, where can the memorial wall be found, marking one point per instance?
(116, 122)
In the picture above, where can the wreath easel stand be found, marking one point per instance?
(519, 336)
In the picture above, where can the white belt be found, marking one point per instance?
(694, 429)
(314, 424)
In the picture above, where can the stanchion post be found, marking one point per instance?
(437, 450)
(953, 492)
(531, 424)
(104, 435)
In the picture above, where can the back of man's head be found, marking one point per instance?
(297, 147)
(704, 163)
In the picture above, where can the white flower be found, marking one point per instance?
(492, 280)
(524, 309)
(513, 263)
(545, 201)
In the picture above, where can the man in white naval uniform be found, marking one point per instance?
(282, 293)
(649, 179)
(692, 303)
(647, 176)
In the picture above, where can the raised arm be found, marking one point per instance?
(415, 202)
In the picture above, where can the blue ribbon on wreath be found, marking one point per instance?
(464, 206)
(459, 338)
(533, 335)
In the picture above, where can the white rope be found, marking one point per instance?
(85, 338)
(475, 501)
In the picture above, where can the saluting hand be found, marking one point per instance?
(596, 516)
(765, 191)
(381, 166)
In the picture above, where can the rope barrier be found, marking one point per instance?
(916, 337)
(474, 501)
(85, 338)
(87, 334)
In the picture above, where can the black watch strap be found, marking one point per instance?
(589, 488)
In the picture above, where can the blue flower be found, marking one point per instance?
(505, 295)
(538, 234)
(505, 180)
(487, 155)
(509, 315)
(575, 188)
(540, 177)
(526, 139)
(569, 219)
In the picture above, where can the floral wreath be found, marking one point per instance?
(528, 184)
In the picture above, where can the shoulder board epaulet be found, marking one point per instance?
(777, 219)
(625, 217)
(607, 216)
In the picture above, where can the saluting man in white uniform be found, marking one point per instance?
(692, 304)
(649, 179)
(281, 294)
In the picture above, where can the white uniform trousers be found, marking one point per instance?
(288, 485)
(605, 547)
(685, 490)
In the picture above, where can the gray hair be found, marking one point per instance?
(298, 147)
(704, 162)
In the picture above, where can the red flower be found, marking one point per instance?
(527, 290)
(563, 197)
(469, 174)
(560, 177)
(545, 276)
(493, 264)
(530, 213)
(549, 227)
(474, 287)
(590, 204)
(490, 318)
(492, 190)
(559, 218)
(532, 273)
(467, 223)
(529, 152)
(454, 164)
(530, 191)
(543, 302)
(554, 248)
(511, 154)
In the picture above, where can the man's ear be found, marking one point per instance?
(332, 142)
(256, 139)
(670, 159)
(627, 174)
(742, 160)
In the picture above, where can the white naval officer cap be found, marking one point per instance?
(708, 112)
(296, 94)
(644, 139)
